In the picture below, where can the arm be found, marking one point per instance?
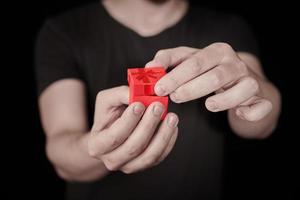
(264, 127)
(122, 138)
(63, 116)
(252, 102)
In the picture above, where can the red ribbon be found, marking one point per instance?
(145, 75)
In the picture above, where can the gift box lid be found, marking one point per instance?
(145, 76)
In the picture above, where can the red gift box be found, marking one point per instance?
(141, 86)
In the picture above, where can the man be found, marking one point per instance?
(108, 150)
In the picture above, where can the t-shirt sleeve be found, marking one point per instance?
(54, 57)
(240, 35)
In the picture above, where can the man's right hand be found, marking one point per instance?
(130, 139)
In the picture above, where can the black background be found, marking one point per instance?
(254, 169)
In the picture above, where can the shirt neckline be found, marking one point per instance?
(133, 32)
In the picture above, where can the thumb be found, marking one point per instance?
(109, 104)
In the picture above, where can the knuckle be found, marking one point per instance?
(174, 81)
(182, 48)
(160, 53)
(134, 150)
(100, 95)
(195, 64)
(253, 84)
(114, 141)
(123, 88)
(159, 160)
(242, 68)
(165, 139)
(127, 170)
(218, 77)
(223, 46)
(109, 163)
(182, 93)
(92, 151)
(150, 160)
(149, 125)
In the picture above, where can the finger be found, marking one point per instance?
(255, 112)
(195, 65)
(169, 147)
(138, 140)
(156, 147)
(107, 99)
(208, 82)
(250, 101)
(246, 88)
(171, 57)
(108, 139)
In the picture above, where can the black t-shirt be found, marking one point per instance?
(88, 44)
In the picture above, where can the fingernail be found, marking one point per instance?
(172, 121)
(240, 114)
(159, 90)
(138, 109)
(212, 105)
(158, 110)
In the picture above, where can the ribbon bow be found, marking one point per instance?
(145, 75)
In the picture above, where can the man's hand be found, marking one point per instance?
(219, 69)
(130, 139)
(216, 68)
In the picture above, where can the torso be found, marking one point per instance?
(104, 50)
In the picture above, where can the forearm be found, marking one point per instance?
(69, 154)
(264, 127)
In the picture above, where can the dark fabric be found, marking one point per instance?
(87, 44)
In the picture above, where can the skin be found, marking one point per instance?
(236, 78)
(132, 138)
